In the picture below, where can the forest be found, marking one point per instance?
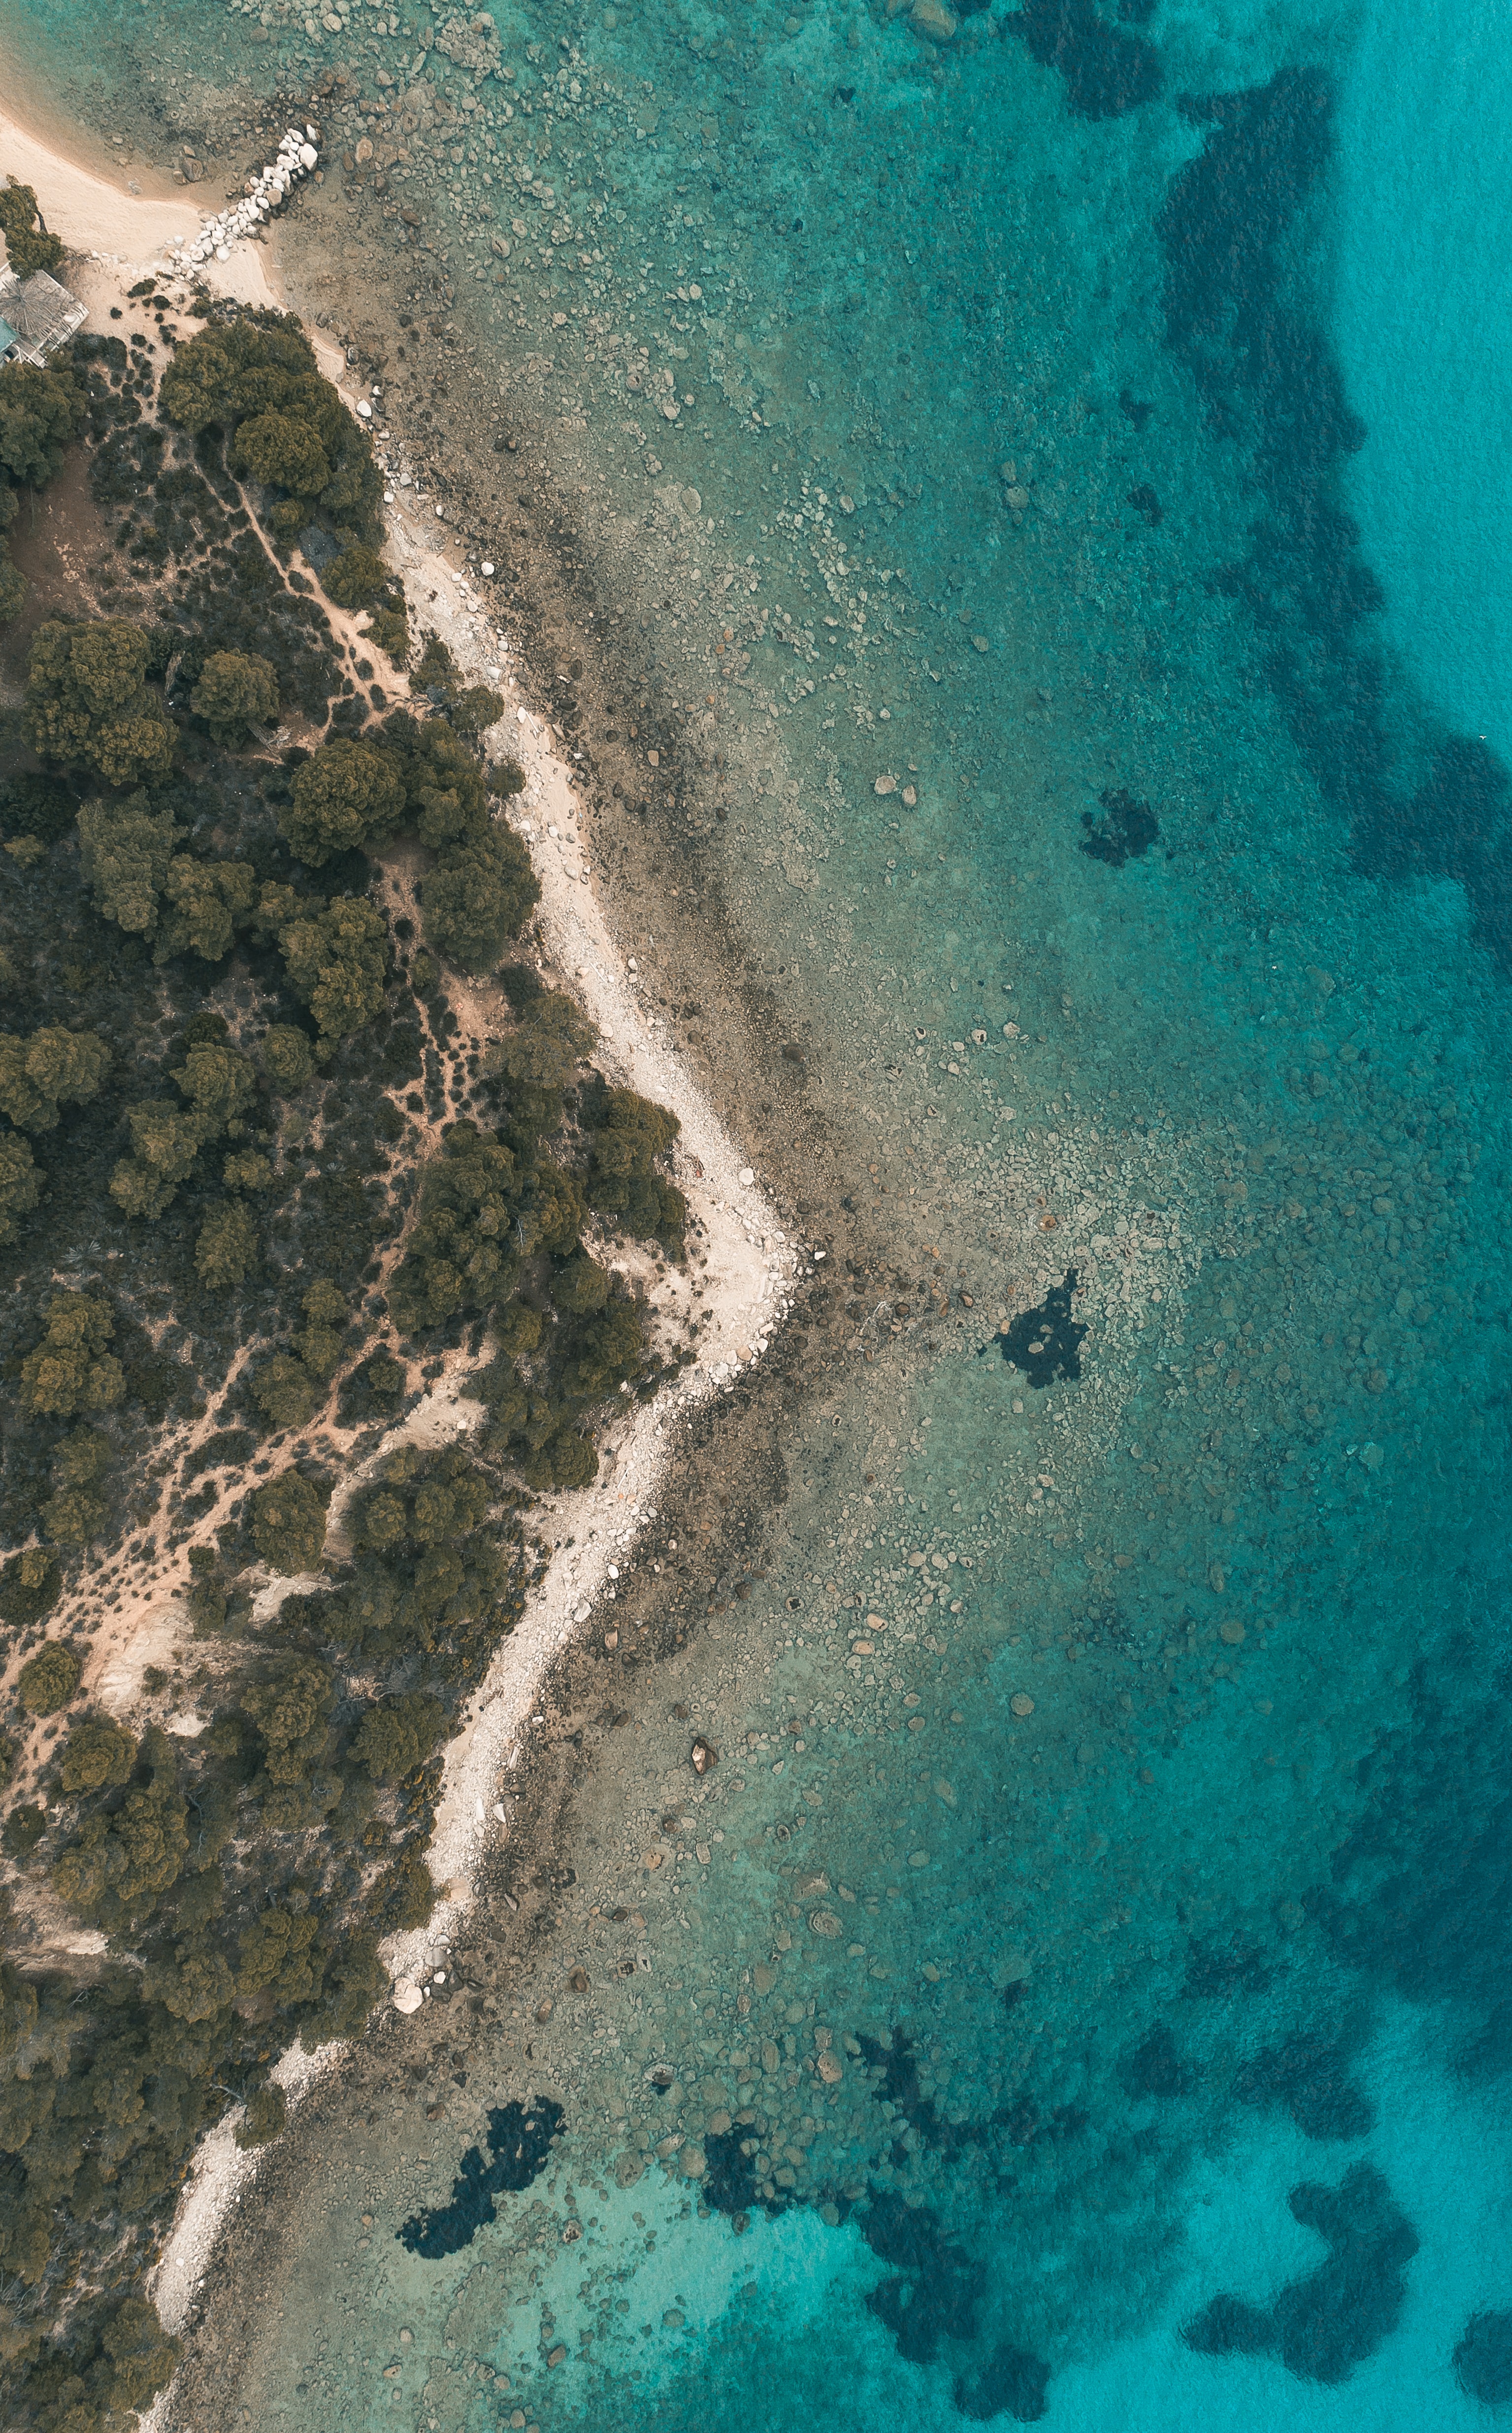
(257, 1187)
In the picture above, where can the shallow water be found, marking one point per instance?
(1041, 2019)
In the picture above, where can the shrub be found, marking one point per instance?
(319, 1341)
(71, 1370)
(49, 1679)
(20, 1184)
(125, 852)
(286, 1392)
(337, 961)
(288, 1059)
(37, 1074)
(30, 1584)
(97, 1754)
(206, 903)
(227, 1249)
(41, 410)
(237, 691)
(87, 703)
(346, 793)
(548, 1044)
(28, 244)
(267, 2110)
(392, 1741)
(288, 1523)
(282, 453)
(477, 897)
(357, 579)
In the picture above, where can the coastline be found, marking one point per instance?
(748, 1251)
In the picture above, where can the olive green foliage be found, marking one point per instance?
(356, 579)
(320, 1341)
(71, 1369)
(288, 1523)
(462, 1252)
(76, 1511)
(268, 2111)
(286, 1392)
(97, 1754)
(20, 1184)
(87, 703)
(392, 1741)
(12, 582)
(227, 1249)
(482, 886)
(346, 793)
(126, 849)
(288, 1059)
(30, 1583)
(237, 691)
(626, 1136)
(41, 410)
(255, 378)
(428, 1571)
(28, 246)
(218, 1084)
(205, 903)
(337, 961)
(53, 1067)
(48, 1679)
(548, 1044)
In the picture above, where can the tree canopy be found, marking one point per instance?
(28, 246)
(87, 703)
(237, 691)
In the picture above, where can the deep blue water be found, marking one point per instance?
(1164, 353)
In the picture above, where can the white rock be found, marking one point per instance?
(747, 1174)
(407, 1998)
(364, 409)
(487, 566)
(308, 156)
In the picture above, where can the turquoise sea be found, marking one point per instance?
(1082, 1992)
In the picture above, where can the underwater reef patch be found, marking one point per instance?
(1324, 2324)
(1045, 1343)
(1307, 2076)
(1012, 2382)
(1483, 2359)
(1127, 828)
(935, 2288)
(520, 2138)
(1106, 72)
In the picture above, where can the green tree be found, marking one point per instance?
(291, 1707)
(48, 1679)
(208, 902)
(477, 897)
(461, 1252)
(581, 1286)
(357, 579)
(97, 1754)
(76, 1512)
(41, 410)
(288, 1523)
(37, 1074)
(87, 702)
(281, 452)
(71, 1369)
(346, 793)
(126, 854)
(21, 1183)
(28, 246)
(237, 691)
(194, 1984)
(287, 1059)
(320, 1341)
(548, 1042)
(338, 961)
(30, 1584)
(393, 1739)
(219, 1083)
(626, 1136)
(227, 1248)
(267, 2113)
(286, 1392)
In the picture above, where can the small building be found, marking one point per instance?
(36, 316)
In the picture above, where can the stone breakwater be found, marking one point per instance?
(296, 157)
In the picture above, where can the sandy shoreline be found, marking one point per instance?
(748, 1253)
